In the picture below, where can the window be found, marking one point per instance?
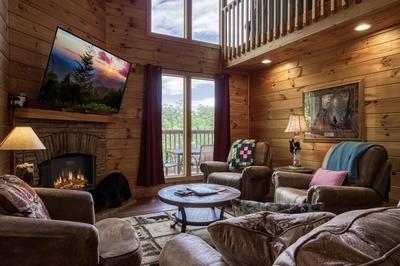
(190, 19)
(168, 17)
(187, 123)
(205, 21)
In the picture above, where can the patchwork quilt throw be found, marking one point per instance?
(241, 154)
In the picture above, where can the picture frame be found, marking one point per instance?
(334, 112)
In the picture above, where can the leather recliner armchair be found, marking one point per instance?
(365, 192)
(71, 237)
(252, 181)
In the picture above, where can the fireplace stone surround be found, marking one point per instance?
(65, 137)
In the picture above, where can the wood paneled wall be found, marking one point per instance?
(119, 26)
(277, 91)
(4, 64)
(126, 36)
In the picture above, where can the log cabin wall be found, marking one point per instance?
(4, 67)
(126, 36)
(120, 27)
(277, 91)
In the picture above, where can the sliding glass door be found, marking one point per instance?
(187, 123)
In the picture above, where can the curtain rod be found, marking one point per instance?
(173, 69)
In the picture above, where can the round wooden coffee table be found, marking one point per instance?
(198, 210)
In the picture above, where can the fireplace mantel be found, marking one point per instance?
(60, 115)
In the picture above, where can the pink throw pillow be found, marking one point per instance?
(323, 177)
(18, 198)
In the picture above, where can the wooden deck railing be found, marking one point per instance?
(249, 24)
(173, 139)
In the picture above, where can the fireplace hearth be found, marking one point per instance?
(63, 139)
(68, 171)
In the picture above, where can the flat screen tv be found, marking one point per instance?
(83, 77)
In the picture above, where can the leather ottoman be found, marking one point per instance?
(118, 244)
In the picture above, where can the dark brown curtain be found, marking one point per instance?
(222, 132)
(150, 162)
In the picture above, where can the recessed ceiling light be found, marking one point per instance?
(362, 27)
(266, 61)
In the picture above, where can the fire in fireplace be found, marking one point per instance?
(71, 180)
(68, 171)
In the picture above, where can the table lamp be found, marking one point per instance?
(22, 138)
(296, 125)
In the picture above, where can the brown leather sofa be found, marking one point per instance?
(253, 181)
(69, 238)
(360, 237)
(367, 191)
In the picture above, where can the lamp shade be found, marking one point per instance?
(22, 138)
(296, 124)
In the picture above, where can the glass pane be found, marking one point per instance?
(172, 125)
(205, 21)
(202, 122)
(167, 17)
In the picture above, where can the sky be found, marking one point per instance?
(168, 18)
(202, 91)
(105, 64)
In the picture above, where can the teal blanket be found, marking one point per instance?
(345, 156)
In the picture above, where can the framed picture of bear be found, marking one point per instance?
(335, 112)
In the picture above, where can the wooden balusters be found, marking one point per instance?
(269, 20)
(237, 28)
(289, 20)
(252, 24)
(322, 10)
(243, 28)
(262, 21)
(230, 36)
(333, 6)
(274, 17)
(296, 15)
(233, 26)
(249, 24)
(313, 11)
(282, 16)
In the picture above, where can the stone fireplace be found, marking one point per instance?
(75, 155)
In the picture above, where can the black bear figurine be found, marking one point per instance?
(111, 192)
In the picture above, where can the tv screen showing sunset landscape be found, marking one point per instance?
(83, 77)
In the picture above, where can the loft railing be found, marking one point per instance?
(249, 24)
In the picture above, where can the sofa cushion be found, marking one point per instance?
(244, 207)
(290, 195)
(352, 238)
(324, 177)
(257, 239)
(226, 178)
(189, 250)
(18, 198)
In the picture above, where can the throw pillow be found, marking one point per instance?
(241, 154)
(244, 207)
(323, 177)
(259, 238)
(18, 198)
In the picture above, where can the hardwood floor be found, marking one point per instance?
(135, 207)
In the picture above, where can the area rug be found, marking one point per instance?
(155, 230)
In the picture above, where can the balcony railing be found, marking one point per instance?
(172, 145)
(173, 139)
(249, 24)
